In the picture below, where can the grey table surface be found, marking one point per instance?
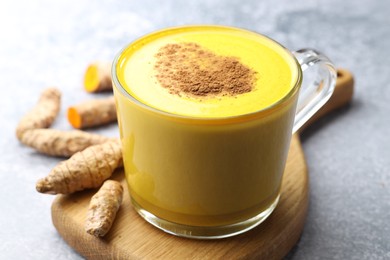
(45, 43)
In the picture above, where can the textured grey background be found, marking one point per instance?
(46, 43)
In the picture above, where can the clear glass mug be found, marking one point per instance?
(215, 177)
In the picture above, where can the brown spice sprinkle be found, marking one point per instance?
(191, 69)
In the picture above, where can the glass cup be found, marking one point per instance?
(213, 177)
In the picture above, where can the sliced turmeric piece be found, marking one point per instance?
(97, 77)
(43, 114)
(92, 113)
(60, 143)
(86, 169)
(103, 208)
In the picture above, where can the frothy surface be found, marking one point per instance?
(274, 71)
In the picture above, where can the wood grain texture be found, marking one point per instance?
(131, 237)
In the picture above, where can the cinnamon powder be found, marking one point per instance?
(191, 69)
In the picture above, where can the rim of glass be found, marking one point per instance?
(275, 105)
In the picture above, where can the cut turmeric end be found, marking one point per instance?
(91, 78)
(74, 117)
(92, 113)
(97, 77)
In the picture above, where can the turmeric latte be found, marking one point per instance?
(211, 72)
(200, 147)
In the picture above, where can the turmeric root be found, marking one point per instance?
(86, 169)
(97, 77)
(103, 208)
(92, 113)
(60, 143)
(43, 114)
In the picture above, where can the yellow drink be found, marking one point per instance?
(211, 160)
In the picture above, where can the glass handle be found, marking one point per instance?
(319, 80)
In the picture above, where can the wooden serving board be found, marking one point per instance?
(131, 237)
